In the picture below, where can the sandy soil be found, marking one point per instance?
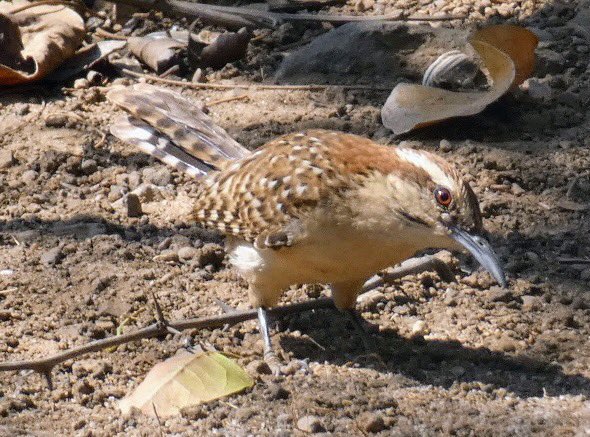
(460, 358)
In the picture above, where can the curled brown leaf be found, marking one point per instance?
(410, 106)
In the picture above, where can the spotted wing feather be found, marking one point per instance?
(263, 198)
(181, 121)
(155, 143)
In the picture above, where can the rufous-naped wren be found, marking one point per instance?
(311, 207)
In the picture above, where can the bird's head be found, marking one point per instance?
(435, 207)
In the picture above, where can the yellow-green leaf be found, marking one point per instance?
(186, 379)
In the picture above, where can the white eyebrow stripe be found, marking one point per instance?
(423, 161)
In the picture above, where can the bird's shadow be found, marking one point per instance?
(441, 363)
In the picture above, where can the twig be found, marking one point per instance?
(44, 365)
(223, 86)
(236, 17)
(106, 34)
(227, 99)
(412, 267)
(163, 327)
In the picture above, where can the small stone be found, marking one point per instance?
(368, 301)
(133, 205)
(56, 120)
(258, 367)
(210, 254)
(506, 344)
(517, 190)
(134, 180)
(167, 256)
(88, 166)
(497, 294)
(22, 109)
(52, 256)
(79, 424)
(445, 146)
(310, 424)
(531, 303)
(537, 89)
(585, 274)
(157, 176)
(6, 159)
(29, 176)
(276, 392)
(419, 329)
(187, 253)
(371, 422)
(549, 62)
(81, 83)
(116, 192)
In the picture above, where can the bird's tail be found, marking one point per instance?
(171, 128)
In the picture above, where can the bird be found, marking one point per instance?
(316, 206)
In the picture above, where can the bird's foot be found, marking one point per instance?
(358, 322)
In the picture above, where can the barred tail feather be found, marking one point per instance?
(152, 142)
(181, 121)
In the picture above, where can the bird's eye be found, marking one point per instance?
(443, 196)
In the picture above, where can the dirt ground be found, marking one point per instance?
(459, 358)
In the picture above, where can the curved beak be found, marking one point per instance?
(482, 252)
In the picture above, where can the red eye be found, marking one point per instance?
(443, 196)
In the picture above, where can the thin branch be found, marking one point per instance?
(236, 17)
(163, 327)
(223, 86)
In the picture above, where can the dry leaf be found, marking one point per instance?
(186, 379)
(517, 42)
(85, 59)
(37, 40)
(410, 106)
(227, 47)
(157, 50)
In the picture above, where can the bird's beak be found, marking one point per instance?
(482, 252)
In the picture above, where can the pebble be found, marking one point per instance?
(52, 256)
(369, 300)
(445, 146)
(371, 422)
(6, 159)
(310, 424)
(419, 328)
(56, 120)
(210, 254)
(497, 294)
(81, 83)
(167, 256)
(187, 253)
(537, 88)
(29, 176)
(516, 189)
(531, 303)
(277, 392)
(506, 344)
(88, 166)
(585, 274)
(258, 367)
(157, 176)
(133, 205)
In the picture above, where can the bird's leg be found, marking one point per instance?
(359, 325)
(269, 354)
